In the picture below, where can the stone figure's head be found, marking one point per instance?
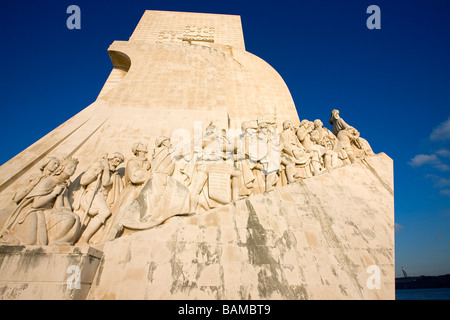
(318, 123)
(306, 123)
(288, 125)
(49, 165)
(211, 132)
(249, 127)
(334, 115)
(265, 126)
(266, 123)
(315, 136)
(115, 160)
(162, 141)
(139, 148)
(67, 167)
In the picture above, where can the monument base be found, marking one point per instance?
(47, 272)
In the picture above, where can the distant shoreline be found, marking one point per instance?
(423, 282)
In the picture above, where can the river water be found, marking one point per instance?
(423, 294)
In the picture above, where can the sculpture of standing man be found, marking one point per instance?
(102, 185)
(137, 172)
(137, 169)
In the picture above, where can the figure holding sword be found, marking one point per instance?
(102, 185)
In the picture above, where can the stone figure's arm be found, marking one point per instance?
(355, 132)
(39, 202)
(302, 133)
(135, 173)
(62, 201)
(286, 147)
(90, 175)
(22, 193)
(65, 200)
(106, 178)
(19, 195)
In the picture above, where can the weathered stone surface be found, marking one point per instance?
(314, 239)
(47, 272)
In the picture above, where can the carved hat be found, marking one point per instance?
(139, 147)
(160, 140)
(117, 155)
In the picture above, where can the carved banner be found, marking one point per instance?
(219, 184)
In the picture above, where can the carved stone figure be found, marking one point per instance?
(44, 215)
(256, 141)
(304, 133)
(137, 172)
(355, 146)
(47, 168)
(161, 197)
(324, 137)
(268, 152)
(243, 163)
(216, 165)
(137, 169)
(162, 162)
(295, 154)
(63, 225)
(102, 186)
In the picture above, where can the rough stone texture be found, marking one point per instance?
(314, 239)
(41, 273)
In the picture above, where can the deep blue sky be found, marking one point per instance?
(392, 84)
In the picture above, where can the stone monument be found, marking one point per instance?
(192, 177)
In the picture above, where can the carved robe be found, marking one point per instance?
(354, 145)
(293, 149)
(134, 168)
(161, 197)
